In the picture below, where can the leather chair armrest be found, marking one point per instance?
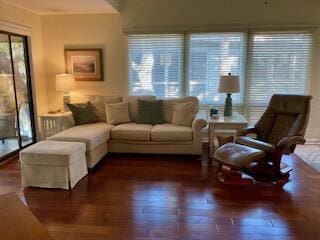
(246, 131)
(250, 142)
(287, 142)
(200, 120)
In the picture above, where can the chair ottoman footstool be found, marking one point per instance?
(233, 158)
(53, 164)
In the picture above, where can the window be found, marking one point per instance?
(210, 56)
(279, 62)
(174, 65)
(156, 65)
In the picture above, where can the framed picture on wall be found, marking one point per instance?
(84, 64)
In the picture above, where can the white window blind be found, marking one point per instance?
(156, 64)
(172, 65)
(279, 62)
(211, 55)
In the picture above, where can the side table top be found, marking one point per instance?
(236, 118)
(60, 114)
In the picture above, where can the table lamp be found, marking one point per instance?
(65, 83)
(229, 84)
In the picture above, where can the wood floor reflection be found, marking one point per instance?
(172, 197)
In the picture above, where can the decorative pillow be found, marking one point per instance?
(168, 106)
(83, 113)
(183, 114)
(150, 112)
(133, 104)
(117, 113)
(99, 103)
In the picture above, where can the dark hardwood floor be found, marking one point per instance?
(172, 197)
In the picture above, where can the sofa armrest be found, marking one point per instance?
(200, 120)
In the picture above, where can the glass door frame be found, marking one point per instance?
(29, 94)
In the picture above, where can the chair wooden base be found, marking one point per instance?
(231, 176)
(264, 172)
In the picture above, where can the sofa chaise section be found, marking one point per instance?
(94, 135)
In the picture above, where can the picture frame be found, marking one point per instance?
(84, 64)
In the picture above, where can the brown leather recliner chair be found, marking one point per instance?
(279, 129)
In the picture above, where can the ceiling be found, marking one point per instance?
(49, 7)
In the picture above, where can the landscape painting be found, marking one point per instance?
(84, 64)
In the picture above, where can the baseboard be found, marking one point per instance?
(313, 141)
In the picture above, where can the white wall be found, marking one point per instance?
(12, 16)
(105, 31)
(177, 13)
(30, 20)
(85, 31)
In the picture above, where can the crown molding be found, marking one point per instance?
(223, 28)
(12, 27)
(44, 13)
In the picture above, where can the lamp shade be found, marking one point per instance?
(65, 82)
(229, 84)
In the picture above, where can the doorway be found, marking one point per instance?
(16, 106)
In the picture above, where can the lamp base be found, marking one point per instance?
(228, 106)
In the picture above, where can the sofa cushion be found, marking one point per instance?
(131, 131)
(168, 106)
(133, 104)
(92, 135)
(169, 132)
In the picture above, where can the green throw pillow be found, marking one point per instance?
(150, 112)
(83, 113)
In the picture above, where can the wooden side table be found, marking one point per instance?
(225, 124)
(18, 222)
(51, 124)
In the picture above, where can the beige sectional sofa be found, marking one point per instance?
(101, 138)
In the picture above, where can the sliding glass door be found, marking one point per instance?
(16, 112)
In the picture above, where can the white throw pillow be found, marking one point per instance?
(183, 114)
(117, 113)
(99, 103)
